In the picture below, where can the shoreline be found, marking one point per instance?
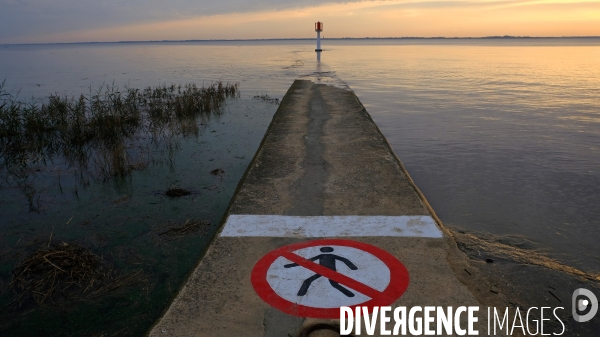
(505, 37)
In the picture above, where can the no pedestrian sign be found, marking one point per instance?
(315, 278)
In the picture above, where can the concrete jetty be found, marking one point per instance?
(323, 172)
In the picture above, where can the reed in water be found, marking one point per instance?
(105, 132)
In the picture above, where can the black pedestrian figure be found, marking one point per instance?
(328, 261)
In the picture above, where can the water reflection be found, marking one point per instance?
(148, 228)
(104, 135)
(500, 136)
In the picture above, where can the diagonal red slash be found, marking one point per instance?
(398, 282)
(332, 275)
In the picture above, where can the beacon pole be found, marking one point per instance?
(319, 29)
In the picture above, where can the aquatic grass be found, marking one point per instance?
(98, 132)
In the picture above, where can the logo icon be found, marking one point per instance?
(582, 301)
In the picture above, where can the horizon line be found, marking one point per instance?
(312, 38)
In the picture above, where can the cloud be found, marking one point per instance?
(19, 18)
(114, 20)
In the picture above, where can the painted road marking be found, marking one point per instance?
(330, 226)
(315, 278)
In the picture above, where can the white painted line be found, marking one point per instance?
(330, 226)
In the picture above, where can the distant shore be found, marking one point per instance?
(324, 38)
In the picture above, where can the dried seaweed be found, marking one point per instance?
(187, 228)
(63, 271)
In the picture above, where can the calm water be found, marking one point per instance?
(502, 136)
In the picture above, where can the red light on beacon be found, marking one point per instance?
(318, 26)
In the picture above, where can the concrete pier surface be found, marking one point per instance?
(323, 171)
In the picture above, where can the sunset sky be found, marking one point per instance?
(32, 21)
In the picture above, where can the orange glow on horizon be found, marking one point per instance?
(365, 19)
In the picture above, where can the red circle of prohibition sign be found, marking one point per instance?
(399, 278)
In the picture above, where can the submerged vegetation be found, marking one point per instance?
(103, 135)
(129, 184)
(106, 134)
(98, 132)
(187, 228)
